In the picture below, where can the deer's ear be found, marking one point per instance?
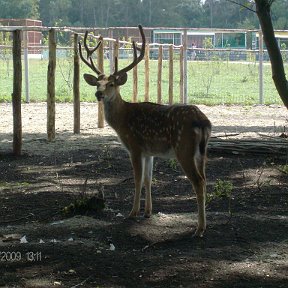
(121, 79)
(90, 79)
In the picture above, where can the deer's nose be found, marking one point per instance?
(99, 95)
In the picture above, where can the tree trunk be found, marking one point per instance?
(278, 72)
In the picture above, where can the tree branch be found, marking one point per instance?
(242, 5)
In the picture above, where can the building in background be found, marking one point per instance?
(34, 38)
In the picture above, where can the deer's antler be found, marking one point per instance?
(136, 59)
(89, 61)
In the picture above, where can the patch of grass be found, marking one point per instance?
(6, 185)
(283, 168)
(210, 83)
(173, 164)
(85, 204)
(261, 181)
(222, 189)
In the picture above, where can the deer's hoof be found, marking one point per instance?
(133, 214)
(199, 233)
(147, 214)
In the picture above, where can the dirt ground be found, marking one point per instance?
(41, 247)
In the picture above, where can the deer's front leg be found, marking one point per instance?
(148, 170)
(138, 165)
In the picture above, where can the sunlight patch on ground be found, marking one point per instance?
(163, 226)
(40, 282)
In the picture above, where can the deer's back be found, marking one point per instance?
(158, 129)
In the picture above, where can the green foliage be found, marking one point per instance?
(84, 205)
(222, 189)
(5, 52)
(13, 186)
(173, 164)
(284, 52)
(6, 40)
(153, 13)
(283, 168)
(19, 9)
(207, 43)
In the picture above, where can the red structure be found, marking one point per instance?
(34, 37)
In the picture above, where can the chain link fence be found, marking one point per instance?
(214, 76)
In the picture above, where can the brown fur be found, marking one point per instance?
(147, 130)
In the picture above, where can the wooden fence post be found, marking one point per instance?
(185, 69)
(181, 84)
(171, 74)
(147, 73)
(76, 87)
(101, 68)
(17, 92)
(135, 84)
(111, 51)
(116, 55)
(51, 86)
(159, 81)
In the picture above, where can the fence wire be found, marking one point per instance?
(214, 76)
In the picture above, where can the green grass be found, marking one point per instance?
(229, 83)
(214, 82)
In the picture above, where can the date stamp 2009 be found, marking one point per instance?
(15, 256)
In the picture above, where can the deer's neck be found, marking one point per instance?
(114, 109)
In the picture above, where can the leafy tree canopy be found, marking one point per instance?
(19, 9)
(154, 13)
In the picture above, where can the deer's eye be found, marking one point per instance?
(111, 84)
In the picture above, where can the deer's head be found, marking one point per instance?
(107, 85)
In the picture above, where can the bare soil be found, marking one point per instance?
(244, 248)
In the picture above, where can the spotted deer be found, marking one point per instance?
(147, 130)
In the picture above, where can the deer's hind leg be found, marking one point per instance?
(148, 171)
(193, 164)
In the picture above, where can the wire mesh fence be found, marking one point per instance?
(213, 76)
(231, 77)
(201, 76)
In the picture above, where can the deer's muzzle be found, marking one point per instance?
(99, 95)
